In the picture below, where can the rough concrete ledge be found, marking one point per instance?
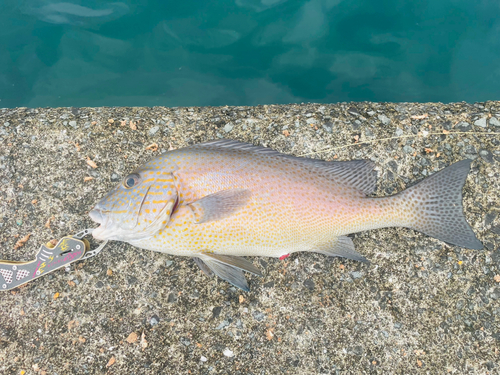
(419, 307)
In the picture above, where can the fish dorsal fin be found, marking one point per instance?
(359, 174)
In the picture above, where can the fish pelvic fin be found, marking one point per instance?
(219, 205)
(227, 267)
(341, 247)
(203, 267)
(434, 206)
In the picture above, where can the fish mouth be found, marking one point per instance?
(97, 216)
(100, 218)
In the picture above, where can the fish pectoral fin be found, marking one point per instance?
(203, 267)
(219, 205)
(229, 268)
(341, 247)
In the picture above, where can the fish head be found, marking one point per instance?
(138, 207)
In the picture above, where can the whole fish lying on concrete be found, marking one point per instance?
(220, 200)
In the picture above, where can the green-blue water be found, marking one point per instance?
(246, 52)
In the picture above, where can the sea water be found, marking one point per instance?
(246, 52)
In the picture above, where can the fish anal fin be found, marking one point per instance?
(219, 205)
(341, 247)
(229, 268)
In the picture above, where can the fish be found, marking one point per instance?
(223, 200)
(74, 14)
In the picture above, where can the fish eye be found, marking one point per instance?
(131, 180)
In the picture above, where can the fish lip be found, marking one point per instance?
(96, 216)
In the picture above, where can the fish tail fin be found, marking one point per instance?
(434, 206)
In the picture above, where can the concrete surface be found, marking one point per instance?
(420, 307)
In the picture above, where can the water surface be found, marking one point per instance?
(246, 52)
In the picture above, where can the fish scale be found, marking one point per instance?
(221, 200)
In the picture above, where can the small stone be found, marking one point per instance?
(384, 119)
(470, 149)
(216, 311)
(356, 275)
(228, 127)
(259, 316)
(6, 123)
(463, 126)
(356, 350)
(486, 156)
(370, 113)
(353, 111)
(154, 320)
(228, 353)
(399, 132)
(72, 124)
(154, 130)
(424, 161)
(115, 177)
(309, 284)
(168, 263)
(481, 122)
(223, 324)
(494, 121)
(203, 359)
(407, 149)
